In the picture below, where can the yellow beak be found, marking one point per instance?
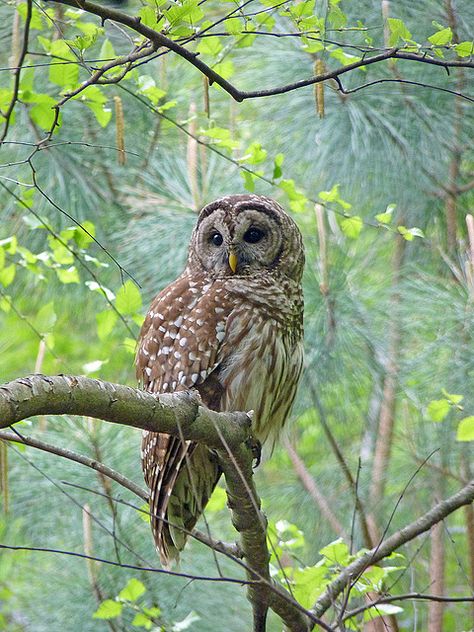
(233, 261)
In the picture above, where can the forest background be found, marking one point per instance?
(99, 189)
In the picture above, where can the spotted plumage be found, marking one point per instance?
(231, 327)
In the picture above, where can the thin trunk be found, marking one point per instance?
(312, 488)
(383, 445)
(192, 158)
(469, 517)
(38, 368)
(451, 203)
(437, 559)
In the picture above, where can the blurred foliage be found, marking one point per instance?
(97, 217)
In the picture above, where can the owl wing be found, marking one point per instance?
(178, 349)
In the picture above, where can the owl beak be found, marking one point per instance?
(233, 261)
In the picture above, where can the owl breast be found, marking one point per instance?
(263, 354)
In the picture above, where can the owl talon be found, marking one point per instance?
(256, 447)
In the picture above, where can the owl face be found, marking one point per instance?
(243, 235)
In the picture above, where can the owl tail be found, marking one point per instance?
(197, 475)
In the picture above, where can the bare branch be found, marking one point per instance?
(78, 458)
(172, 413)
(159, 40)
(464, 496)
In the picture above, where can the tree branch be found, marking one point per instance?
(464, 496)
(173, 413)
(160, 40)
(181, 415)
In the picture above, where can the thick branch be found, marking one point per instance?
(464, 497)
(179, 414)
(173, 413)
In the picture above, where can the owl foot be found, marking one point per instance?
(256, 447)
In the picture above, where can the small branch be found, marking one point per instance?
(179, 414)
(310, 485)
(159, 40)
(17, 71)
(78, 458)
(408, 596)
(464, 496)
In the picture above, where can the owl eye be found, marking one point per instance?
(253, 235)
(216, 238)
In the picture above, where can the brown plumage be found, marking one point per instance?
(231, 327)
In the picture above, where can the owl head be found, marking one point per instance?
(246, 235)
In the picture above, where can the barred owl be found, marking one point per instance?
(231, 327)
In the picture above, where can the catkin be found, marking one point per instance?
(319, 88)
(120, 130)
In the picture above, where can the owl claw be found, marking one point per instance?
(256, 447)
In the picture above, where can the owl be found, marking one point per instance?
(230, 326)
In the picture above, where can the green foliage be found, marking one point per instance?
(377, 163)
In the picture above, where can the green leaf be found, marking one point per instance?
(189, 12)
(101, 113)
(5, 303)
(442, 37)
(132, 591)
(130, 345)
(35, 22)
(233, 25)
(210, 46)
(249, 180)
(148, 17)
(254, 154)
(465, 430)
(336, 552)
(278, 162)
(96, 287)
(65, 75)
(10, 243)
(438, 409)
(45, 318)
(452, 397)
(464, 49)
(105, 323)
(107, 51)
(70, 275)
(380, 610)
(386, 217)
(333, 196)
(297, 199)
(95, 100)
(144, 512)
(352, 226)
(108, 609)
(147, 86)
(247, 39)
(225, 69)
(84, 234)
(41, 111)
(220, 136)
(7, 274)
(410, 233)
(345, 58)
(140, 620)
(398, 31)
(2, 258)
(217, 501)
(309, 583)
(128, 299)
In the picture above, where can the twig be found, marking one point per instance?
(464, 496)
